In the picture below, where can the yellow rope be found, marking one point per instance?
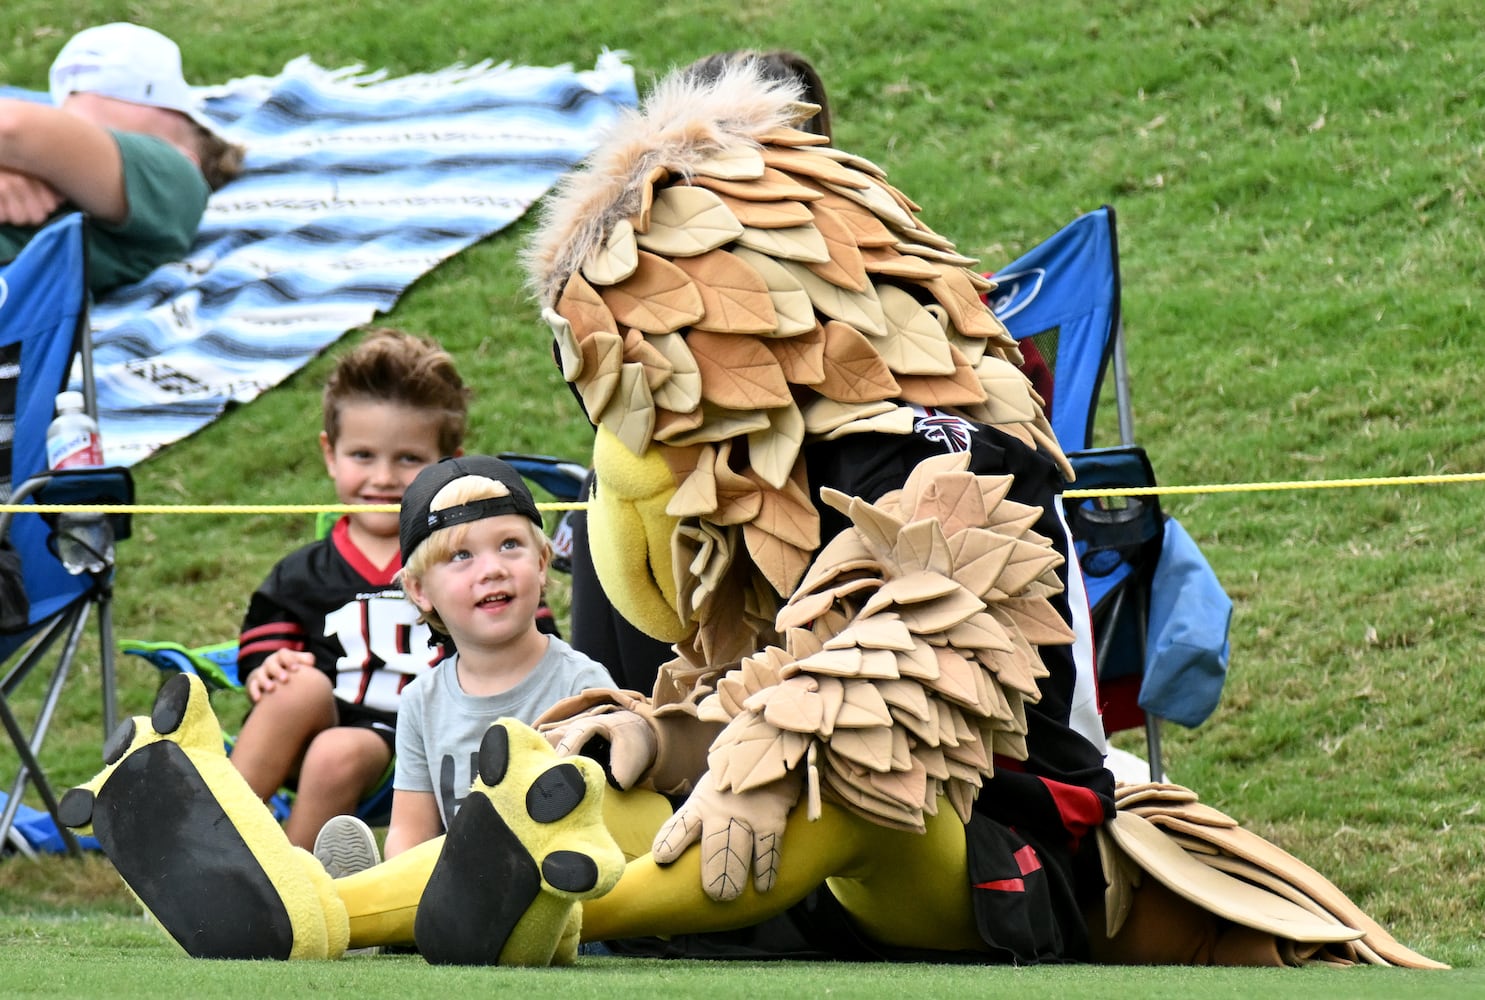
(1293, 484)
(1132, 491)
(226, 508)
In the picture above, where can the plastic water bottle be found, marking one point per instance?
(84, 541)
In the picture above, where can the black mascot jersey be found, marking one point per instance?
(1061, 792)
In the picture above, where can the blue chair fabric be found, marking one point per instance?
(43, 329)
(1160, 616)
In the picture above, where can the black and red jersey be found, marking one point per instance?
(327, 598)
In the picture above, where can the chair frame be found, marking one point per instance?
(1111, 356)
(68, 622)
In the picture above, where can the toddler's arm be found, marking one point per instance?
(414, 819)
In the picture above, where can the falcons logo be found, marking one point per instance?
(950, 431)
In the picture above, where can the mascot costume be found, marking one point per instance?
(822, 477)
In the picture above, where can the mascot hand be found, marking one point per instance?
(623, 741)
(663, 749)
(735, 830)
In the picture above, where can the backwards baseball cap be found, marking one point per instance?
(417, 522)
(127, 62)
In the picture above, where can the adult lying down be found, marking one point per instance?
(124, 142)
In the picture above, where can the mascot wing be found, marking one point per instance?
(908, 653)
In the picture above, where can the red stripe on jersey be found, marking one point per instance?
(290, 629)
(1027, 860)
(1081, 809)
(367, 670)
(1003, 885)
(265, 646)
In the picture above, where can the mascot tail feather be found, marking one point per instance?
(1206, 858)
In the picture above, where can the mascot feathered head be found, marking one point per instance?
(724, 289)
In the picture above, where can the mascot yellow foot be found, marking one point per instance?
(170, 811)
(525, 848)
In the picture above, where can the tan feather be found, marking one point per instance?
(793, 310)
(796, 243)
(801, 358)
(845, 266)
(737, 372)
(768, 214)
(657, 298)
(734, 296)
(861, 310)
(630, 413)
(810, 163)
(616, 259)
(681, 392)
(774, 185)
(854, 371)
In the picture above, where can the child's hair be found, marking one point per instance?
(775, 64)
(446, 541)
(390, 366)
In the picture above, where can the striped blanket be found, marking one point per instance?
(356, 184)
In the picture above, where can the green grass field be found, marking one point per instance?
(1299, 194)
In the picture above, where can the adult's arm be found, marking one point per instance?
(79, 159)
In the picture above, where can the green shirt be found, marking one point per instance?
(167, 196)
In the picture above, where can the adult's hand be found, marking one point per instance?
(70, 149)
(25, 200)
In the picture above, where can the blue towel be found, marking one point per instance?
(356, 185)
(1187, 651)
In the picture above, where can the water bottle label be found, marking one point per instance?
(75, 450)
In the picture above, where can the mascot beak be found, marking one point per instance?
(630, 533)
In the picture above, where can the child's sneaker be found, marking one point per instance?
(345, 846)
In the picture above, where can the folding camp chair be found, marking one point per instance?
(1160, 617)
(43, 326)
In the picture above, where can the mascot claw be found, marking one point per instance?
(527, 845)
(170, 810)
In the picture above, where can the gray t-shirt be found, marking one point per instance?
(439, 727)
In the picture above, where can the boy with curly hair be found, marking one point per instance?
(329, 641)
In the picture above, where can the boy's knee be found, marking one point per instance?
(343, 757)
(310, 699)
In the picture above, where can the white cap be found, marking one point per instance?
(127, 62)
(71, 399)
